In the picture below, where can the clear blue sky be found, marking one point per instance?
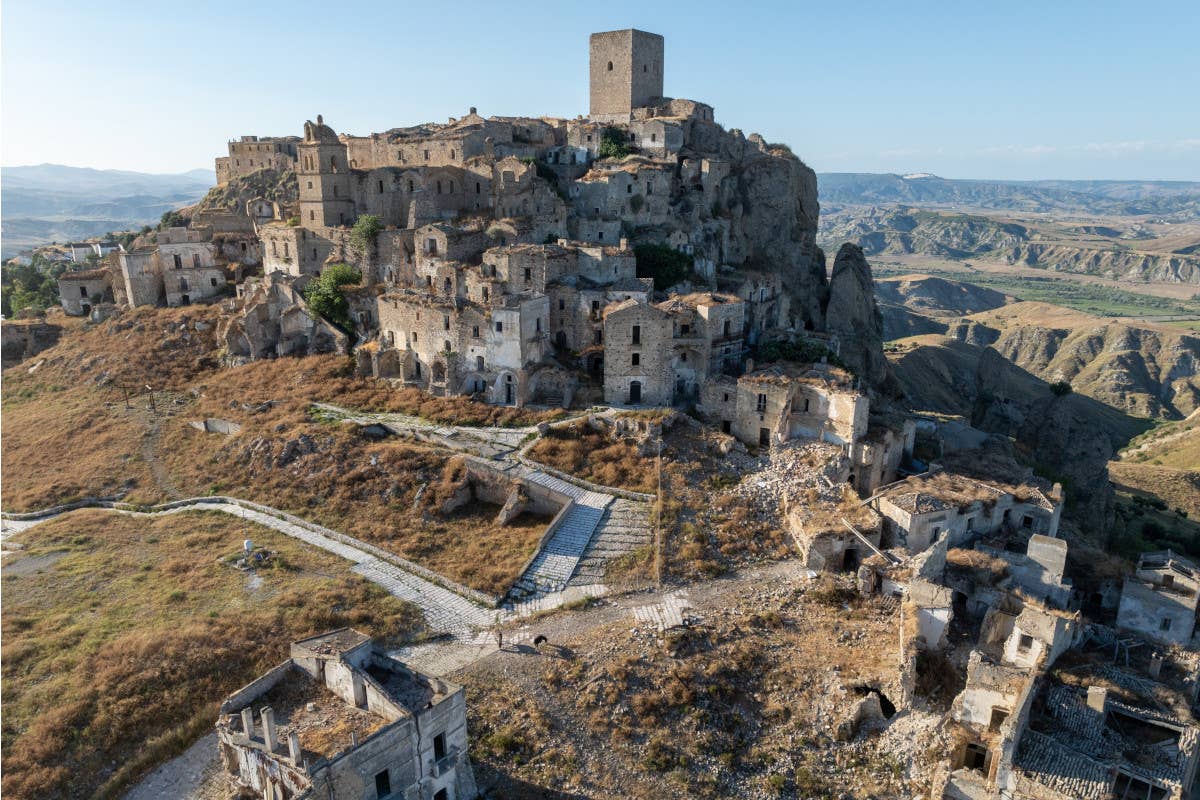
(1047, 89)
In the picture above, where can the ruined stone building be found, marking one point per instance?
(922, 510)
(1159, 600)
(339, 720)
(270, 319)
(251, 153)
(80, 291)
(181, 267)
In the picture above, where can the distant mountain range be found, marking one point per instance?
(1179, 200)
(51, 202)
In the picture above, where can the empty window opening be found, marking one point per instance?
(383, 784)
(998, 716)
(637, 334)
(1025, 643)
(439, 747)
(499, 327)
(635, 359)
(610, 67)
(761, 406)
(1165, 625)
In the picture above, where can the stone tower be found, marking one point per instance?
(626, 72)
(323, 172)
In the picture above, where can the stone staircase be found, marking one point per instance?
(624, 528)
(556, 562)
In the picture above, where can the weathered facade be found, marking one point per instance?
(341, 720)
(924, 509)
(1159, 600)
(80, 291)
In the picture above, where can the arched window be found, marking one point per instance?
(610, 66)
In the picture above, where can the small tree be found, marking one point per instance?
(613, 144)
(172, 219)
(662, 262)
(1061, 388)
(362, 235)
(325, 296)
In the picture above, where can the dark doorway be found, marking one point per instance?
(184, 300)
(441, 794)
(87, 310)
(764, 437)
(383, 784)
(726, 426)
(635, 392)
(508, 390)
(975, 757)
(851, 560)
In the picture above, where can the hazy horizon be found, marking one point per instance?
(1066, 91)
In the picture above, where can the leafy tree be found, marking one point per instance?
(805, 351)
(613, 143)
(363, 234)
(1060, 389)
(173, 219)
(662, 262)
(32, 286)
(325, 296)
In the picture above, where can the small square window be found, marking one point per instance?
(635, 359)
(499, 327)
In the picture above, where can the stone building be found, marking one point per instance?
(922, 510)
(270, 318)
(788, 401)
(250, 154)
(1159, 600)
(342, 720)
(626, 69)
(80, 291)
(179, 269)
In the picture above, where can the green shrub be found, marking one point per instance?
(362, 235)
(1060, 389)
(325, 296)
(666, 265)
(613, 143)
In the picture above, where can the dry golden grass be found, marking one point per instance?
(67, 436)
(594, 457)
(117, 655)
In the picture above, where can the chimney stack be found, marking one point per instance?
(1096, 698)
(268, 723)
(294, 746)
(248, 721)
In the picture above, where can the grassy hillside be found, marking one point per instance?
(68, 433)
(122, 636)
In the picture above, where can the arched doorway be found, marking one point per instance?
(510, 390)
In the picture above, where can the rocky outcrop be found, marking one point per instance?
(854, 318)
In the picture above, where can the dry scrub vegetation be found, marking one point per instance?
(742, 705)
(595, 457)
(707, 527)
(69, 434)
(122, 635)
